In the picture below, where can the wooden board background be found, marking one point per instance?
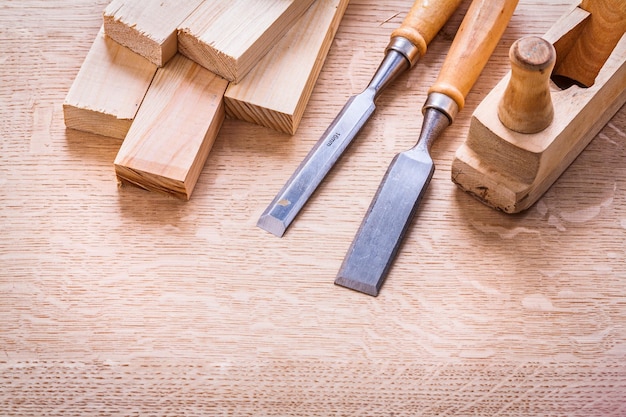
(123, 302)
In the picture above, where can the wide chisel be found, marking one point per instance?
(408, 43)
(377, 241)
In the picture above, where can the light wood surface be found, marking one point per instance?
(148, 27)
(108, 89)
(275, 93)
(229, 37)
(116, 301)
(169, 141)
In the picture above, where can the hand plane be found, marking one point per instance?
(562, 89)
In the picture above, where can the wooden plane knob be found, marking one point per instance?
(526, 105)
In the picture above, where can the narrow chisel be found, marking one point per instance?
(377, 241)
(408, 43)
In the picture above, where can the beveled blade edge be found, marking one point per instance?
(272, 224)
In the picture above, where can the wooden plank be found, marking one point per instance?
(174, 130)
(108, 90)
(148, 27)
(230, 36)
(295, 62)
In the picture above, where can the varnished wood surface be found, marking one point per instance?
(116, 301)
(481, 31)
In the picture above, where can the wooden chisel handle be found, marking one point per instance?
(480, 32)
(424, 21)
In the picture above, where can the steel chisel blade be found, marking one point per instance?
(292, 197)
(387, 219)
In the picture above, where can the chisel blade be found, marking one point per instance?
(307, 177)
(378, 239)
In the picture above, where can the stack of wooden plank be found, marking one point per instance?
(162, 75)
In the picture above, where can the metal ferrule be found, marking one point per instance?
(404, 47)
(390, 68)
(443, 103)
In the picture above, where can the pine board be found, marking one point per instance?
(108, 90)
(148, 27)
(276, 91)
(170, 139)
(229, 37)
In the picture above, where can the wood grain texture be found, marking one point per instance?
(108, 90)
(276, 91)
(229, 37)
(114, 301)
(170, 139)
(148, 27)
(292, 388)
